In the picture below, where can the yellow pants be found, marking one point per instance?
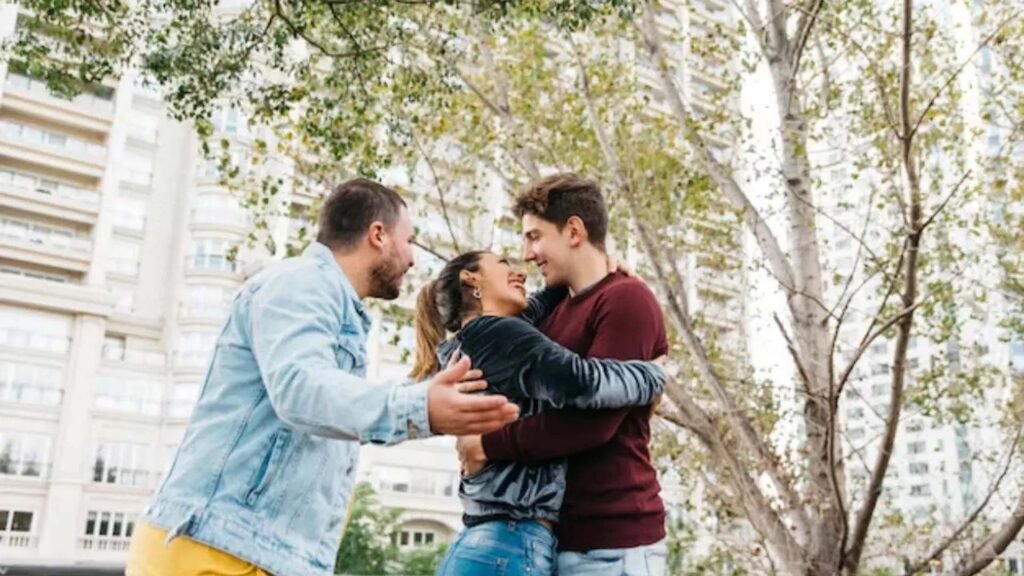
(183, 557)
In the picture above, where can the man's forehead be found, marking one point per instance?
(532, 223)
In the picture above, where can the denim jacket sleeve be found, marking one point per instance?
(543, 302)
(295, 328)
(563, 378)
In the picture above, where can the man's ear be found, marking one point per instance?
(577, 231)
(376, 235)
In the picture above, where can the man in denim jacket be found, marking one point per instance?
(261, 480)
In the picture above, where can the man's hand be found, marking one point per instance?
(616, 265)
(471, 454)
(452, 411)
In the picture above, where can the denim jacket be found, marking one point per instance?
(267, 463)
(521, 363)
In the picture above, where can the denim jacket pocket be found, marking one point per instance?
(271, 464)
(349, 353)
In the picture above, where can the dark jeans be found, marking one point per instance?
(502, 547)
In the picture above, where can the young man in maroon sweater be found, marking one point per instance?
(612, 521)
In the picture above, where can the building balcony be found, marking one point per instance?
(236, 219)
(22, 243)
(178, 409)
(18, 541)
(130, 405)
(28, 339)
(87, 111)
(66, 296)
(104, 544)
(33, 394)
(216, 264)
(42, 146)
(25, 469)
(121, 478)
(57, 200)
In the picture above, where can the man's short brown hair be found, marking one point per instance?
(558, 197)
(350, 209)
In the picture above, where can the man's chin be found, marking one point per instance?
(554, 282)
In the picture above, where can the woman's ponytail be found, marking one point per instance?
(430, 332)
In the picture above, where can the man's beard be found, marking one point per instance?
(386, 278)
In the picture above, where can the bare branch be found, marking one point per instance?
(766, 239)
(440, 191)
(956, 74)
(804, 25)
(922, 564)
(986, 552)
(909, 295)
(671, 282)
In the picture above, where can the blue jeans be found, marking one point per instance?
(499, 548)
(640, 561)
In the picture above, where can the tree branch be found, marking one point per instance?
(766, 239)
(440, 191)
(991, 548)
(766, 460)
(937, 553)
(909, 295)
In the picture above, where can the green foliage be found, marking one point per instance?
(367, 546)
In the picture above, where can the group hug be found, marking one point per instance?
(550, 394)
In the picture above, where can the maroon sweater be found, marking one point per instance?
(612, 492)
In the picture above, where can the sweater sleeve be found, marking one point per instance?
(628, 325)
(544, 370)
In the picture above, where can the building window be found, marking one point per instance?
(30, 383)
(124, 297)
(415, 538)
(31, 183)
(219, 209)
(920, 490)
(16, 529)
(207, 301)
(229, 121)
(915, 426)
(32, 330)
(127, 395)
(212, 254)
(114, 348)
(916, 447)
(129, 213)
(44, 235)
(854, 413)
(107, 531)
(918, 468)
(195, 348)
(35, 274)
(879, 369)
(120, 463)
(183, 400)
(856, 433)
(415, 481)
(124, 257)
(24, 454)
(138, 168)
(143, 127)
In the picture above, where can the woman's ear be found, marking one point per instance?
(469, 278)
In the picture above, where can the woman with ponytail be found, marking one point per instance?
(480, 300)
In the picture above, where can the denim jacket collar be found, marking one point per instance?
(323, 254)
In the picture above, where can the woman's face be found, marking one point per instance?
(502, 287)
